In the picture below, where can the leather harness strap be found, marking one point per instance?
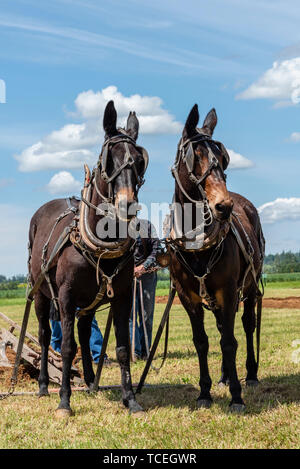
(186, 154)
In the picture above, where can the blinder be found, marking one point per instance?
(145, 157)
(189, 158)
(188, 154)
(224, 153)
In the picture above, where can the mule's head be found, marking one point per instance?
(213, 182)
(122, 163)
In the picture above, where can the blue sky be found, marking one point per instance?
(61, 61)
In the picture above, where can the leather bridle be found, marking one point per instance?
(96, 245)
(186, 154)
(128, 162)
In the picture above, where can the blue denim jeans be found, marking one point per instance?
(96, 339)
(148, 283)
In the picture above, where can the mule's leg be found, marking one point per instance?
(224, 380)
(84, 334)
(200, 339)
(68, 349)
(249, 324)
(121, 312)
(42, 308)
(229, 348)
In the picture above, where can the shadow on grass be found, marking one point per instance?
(169, 396)
(184, 354)
(178, 354)
(163, 395)
(273, 392)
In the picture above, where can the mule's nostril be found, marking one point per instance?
(224, 209)
(127, 209)
(220, 207)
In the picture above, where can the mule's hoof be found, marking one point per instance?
(221, 384)
(204, 403)
(134, 407)
(252, 383)
(43, 390)
(61, 414)
(90, 388)
(237, 408)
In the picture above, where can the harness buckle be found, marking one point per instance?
(109, 289)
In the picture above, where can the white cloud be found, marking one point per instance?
(238, 161)
(35, 158)
(63, 182)
(152, 117)
(280, 209)
(75, 144)
(295, 137)
(281, 83)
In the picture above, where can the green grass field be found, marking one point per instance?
(274, 282)
(171, 418)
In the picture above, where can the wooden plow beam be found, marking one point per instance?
(31, 355)
(55, 363)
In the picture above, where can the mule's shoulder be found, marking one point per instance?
(247, 214)
(241, 203)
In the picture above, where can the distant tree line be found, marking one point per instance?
(12, 283)
(286, 262)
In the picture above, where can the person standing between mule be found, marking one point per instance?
(146, 248)
(96, 338)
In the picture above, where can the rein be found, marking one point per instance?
(187, 156)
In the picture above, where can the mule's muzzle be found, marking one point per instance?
(223, 209)
(126, 208)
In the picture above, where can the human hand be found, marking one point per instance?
(139, 271)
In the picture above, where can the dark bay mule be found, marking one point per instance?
(72, 275)
(227, 266)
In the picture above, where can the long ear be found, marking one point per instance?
(110, 119)
(210, 122)
(191, 122)
(132, 127)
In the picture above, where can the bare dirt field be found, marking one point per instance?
(290, 302)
